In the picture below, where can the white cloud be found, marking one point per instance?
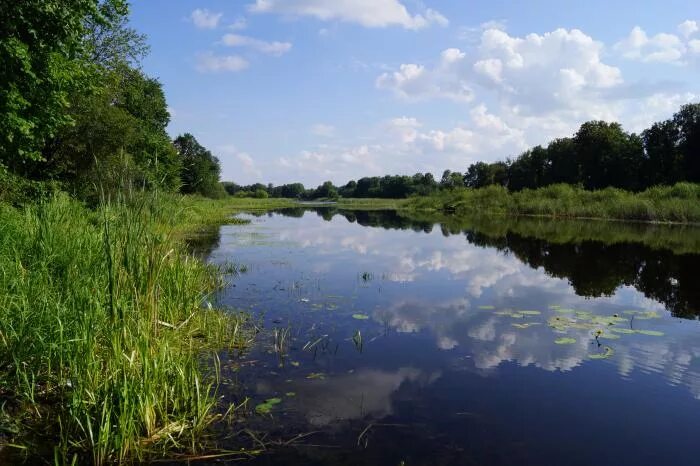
(205, 19)
(321, 129)
(271, 48)
(404, 145)
(368, 13)
(210, 63)
(416, 82)
(248, 164)
(532, 74)
(688, 28)
(664, 48)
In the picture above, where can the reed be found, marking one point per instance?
(107, 351)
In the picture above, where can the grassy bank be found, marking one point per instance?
(102, 329)
(679, 203)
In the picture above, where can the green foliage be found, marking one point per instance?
(200, 169)
(41, 42)
(679, 203)
(602, 155)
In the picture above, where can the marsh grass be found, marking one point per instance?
(672, 204)
(103, 332)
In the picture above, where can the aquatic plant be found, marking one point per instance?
(103, 332)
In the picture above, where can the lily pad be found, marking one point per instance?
(487, 307)
(605, 354)
(360, 316)
(527, 325)
(530, 313)
(565, 341)
(316, 376)
(626, 331)
(652, 333)
(266, 407)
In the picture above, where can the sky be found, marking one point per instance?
(306, 91)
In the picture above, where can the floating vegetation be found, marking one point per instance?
(294, 363)
(605, 354)
(530, 313)
(564, 311)
(647, 315)
(652, 333)
(360, 316)
(316, 376)
(527, 325)
(565, 341)
(626, 331)
(290, 394)
(487, 307)
(266, 407)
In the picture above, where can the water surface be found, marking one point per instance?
(392, 341)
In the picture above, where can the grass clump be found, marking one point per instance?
(103, 329)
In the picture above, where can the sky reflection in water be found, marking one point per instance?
(448, 357)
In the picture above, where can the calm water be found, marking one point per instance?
(387, 342)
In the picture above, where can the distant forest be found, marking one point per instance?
(598, 155)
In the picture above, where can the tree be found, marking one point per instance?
(687, 122)
(664, 159)
(326, 190)
(200, 169)
(608, 156)
(41, 45)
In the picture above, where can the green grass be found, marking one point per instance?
(103, 332)
(371, 203)
(671, 204)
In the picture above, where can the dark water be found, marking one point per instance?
(390, 341)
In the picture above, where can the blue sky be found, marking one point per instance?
(315, 90)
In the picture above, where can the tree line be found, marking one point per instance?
(599, 155)
(78, 113)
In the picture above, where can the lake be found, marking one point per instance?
(386, 340)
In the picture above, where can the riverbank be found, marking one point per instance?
(666, 204)
(107, 342)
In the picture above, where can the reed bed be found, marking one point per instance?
(107, 343)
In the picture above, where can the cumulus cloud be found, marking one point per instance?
(666, 48)
(534, 73)
(662, 47)
(688, 28)
(415, 82)
(271, 48)
(205, 19)
(405, 145)
(368, 13)
(209, 63)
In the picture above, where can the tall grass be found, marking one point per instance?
(103, 328)
(679, 203)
